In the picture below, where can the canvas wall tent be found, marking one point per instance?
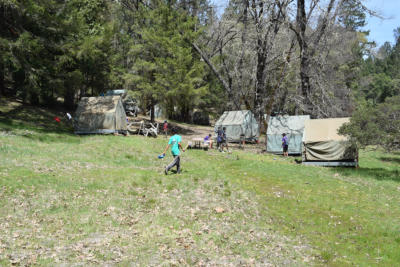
(237, 123)
(292, 126)
(104, 115)
(322, 145)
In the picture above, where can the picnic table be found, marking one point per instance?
(197, 142)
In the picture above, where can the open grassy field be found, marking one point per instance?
(69, 200)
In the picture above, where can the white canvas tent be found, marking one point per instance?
(322, 145)
(100, 115)
(292, 126)
(237, 123)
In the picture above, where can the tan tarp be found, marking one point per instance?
(321, 141)
(104, 114)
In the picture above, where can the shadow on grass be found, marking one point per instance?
(379, 174)
(64, 138)
(298, 161)
(390, 159)
(179, 130)
(34, 118)
(36, 123)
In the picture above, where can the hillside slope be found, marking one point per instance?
(66, 199)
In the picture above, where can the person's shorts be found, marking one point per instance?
(285, 148)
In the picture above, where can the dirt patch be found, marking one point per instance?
(191, 131)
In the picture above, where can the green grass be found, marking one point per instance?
(66, 199)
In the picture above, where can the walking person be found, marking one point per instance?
(285, 145)
(175, 144)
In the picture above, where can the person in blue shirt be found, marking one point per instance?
(175, 144)
(221, 139)
(208, 141)
(285, 145)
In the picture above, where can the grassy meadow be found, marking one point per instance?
(90, 200)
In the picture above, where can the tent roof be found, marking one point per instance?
(287, 124)
(101, 104)
(324, 130)
(116, 92)
(233, 117)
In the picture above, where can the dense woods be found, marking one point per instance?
(269, 56)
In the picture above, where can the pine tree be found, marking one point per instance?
(166, 70)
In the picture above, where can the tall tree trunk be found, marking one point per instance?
(304, 75)
(264, 46)
(308, 48)
(69, 98)
(260, 82)
(152, 110)
(224, 83)
(243, 41)
(169, 109)
(271, 100)
(2, 85)
(301, 20)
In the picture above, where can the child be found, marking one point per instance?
(208, 141)
(224, 142)
(285, 145)
(165, 128)
(175, 144)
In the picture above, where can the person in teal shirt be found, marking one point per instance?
(175, 144)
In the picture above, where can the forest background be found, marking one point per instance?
(268, 56)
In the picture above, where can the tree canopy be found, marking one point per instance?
(269, 56)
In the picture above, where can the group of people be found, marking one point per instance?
(175, 143)
(221, 140)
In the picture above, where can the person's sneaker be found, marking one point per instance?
(166, 171)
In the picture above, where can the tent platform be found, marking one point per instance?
(331, 163)
(290, 153)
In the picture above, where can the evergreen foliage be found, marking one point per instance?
(165, 69)
(376, 124)
(376, 120)
(55, 52)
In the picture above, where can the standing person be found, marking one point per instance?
(285, 145)
(165, 128)
(224, 140)
(175, 144)
(219, 138)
